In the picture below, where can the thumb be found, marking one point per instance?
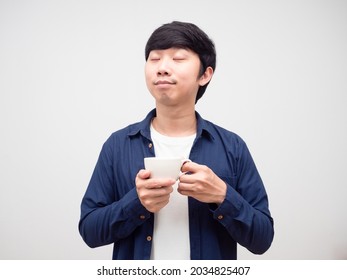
(144, 174)
(189, 166)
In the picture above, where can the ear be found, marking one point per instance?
(206, 77)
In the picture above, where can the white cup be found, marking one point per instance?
(164, 167)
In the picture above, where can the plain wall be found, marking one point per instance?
(72, 72)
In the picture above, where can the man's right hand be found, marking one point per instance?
(154, 193)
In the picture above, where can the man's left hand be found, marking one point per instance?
(201, 183)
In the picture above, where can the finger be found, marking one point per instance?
(184, 162)
(159, 183)
(143, 179)
(144, 174)
(189, 166)
(160, 192)
(187, 178)
(185, 191)
(185, 186)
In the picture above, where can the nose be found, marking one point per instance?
(164, 68)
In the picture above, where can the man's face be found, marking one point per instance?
(172, 76)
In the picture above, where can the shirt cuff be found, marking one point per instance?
(133, 207)
(230, 208)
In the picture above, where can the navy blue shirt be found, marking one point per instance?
(111, 211)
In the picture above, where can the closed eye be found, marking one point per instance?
(179, 58)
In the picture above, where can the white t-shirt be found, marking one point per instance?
(171, 224)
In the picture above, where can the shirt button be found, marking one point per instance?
(149, 238)
(142, 217)
(220, 217)
(150, 145)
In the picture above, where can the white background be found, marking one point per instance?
(72, 72)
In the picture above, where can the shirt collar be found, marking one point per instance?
(204, 128)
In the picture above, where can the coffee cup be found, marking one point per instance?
(164, 167)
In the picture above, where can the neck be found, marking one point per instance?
(175, 122)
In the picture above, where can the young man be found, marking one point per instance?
(218, 201)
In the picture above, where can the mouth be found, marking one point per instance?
(164, 82)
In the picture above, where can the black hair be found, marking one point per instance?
(188, 36)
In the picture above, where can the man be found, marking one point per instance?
(218, 201)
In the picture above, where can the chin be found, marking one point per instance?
(163, 96)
